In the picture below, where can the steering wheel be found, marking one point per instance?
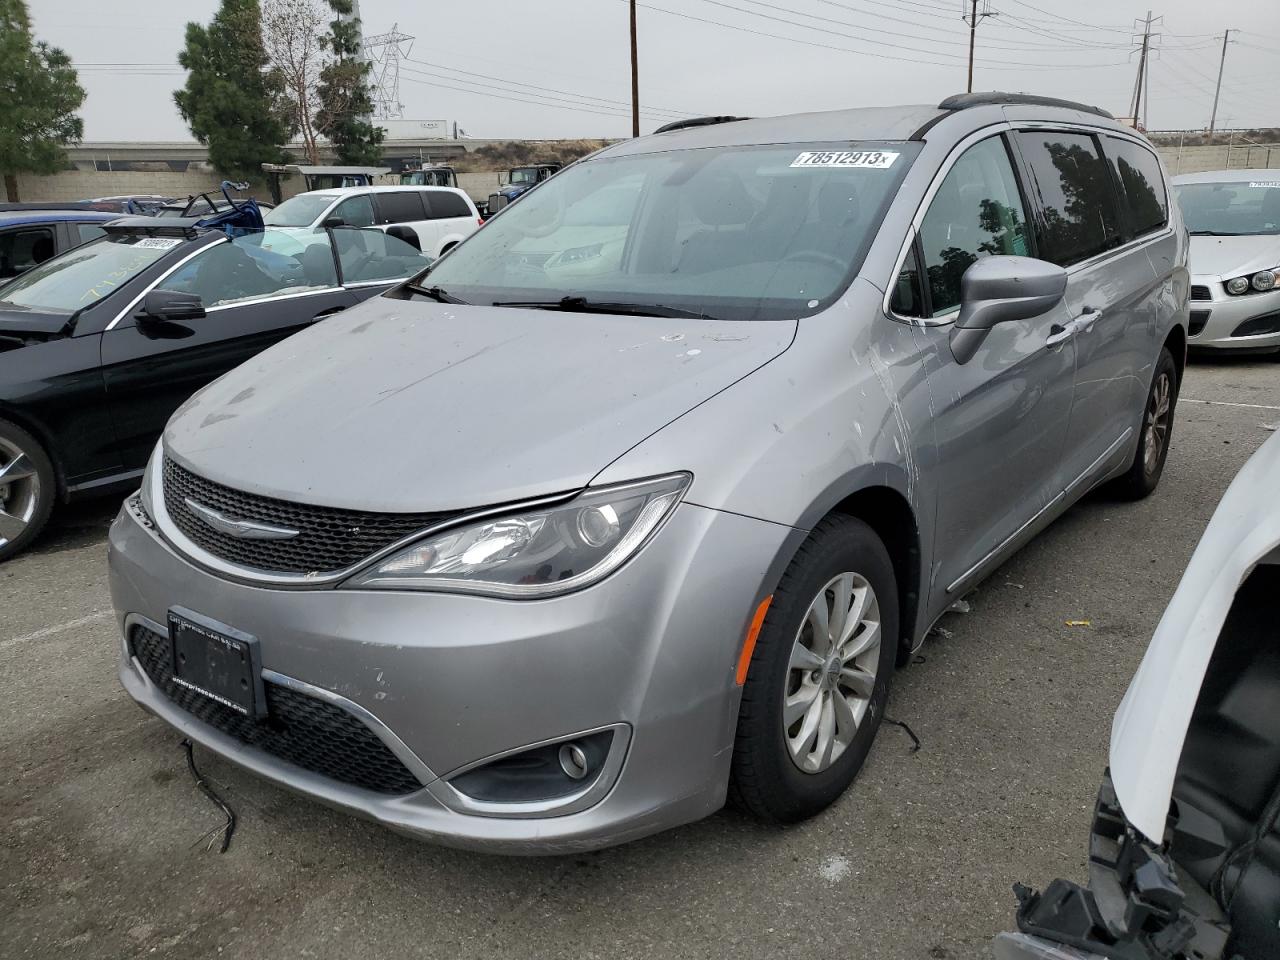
(817, 256)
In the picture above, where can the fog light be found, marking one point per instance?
(1237, 285)
(1263, 281)
(547, 772)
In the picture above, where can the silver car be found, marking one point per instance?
(635, 500)
(1234, 219)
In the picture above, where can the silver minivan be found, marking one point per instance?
(635, 501)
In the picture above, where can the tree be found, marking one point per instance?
(232, 102)
(40, 98)
(345, 99)
(291, 34)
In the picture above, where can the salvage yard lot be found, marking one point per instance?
(100, 852)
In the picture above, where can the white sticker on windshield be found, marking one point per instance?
(157, 243)
(1264, 183)
(874, 159)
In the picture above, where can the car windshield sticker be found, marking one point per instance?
(874, 159)
(158, 243)
(1268, 184)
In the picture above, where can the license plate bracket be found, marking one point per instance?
(217, 661)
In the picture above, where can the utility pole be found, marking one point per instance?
(1213, 117)
(1136, 99)
(635, 77)
(972, 18)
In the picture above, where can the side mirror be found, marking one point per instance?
(331, 222)
(170, 306)
(1001, 289)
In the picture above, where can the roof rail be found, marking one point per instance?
(962, 101)
(696, 122)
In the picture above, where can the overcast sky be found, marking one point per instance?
(560, 68)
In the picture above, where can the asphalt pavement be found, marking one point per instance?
(101, 850)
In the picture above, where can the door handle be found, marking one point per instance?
(1084, 323)
(1059, 334)
(327, 313)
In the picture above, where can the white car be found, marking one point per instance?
(1234, 219)
(438, 218)
(1184, 854)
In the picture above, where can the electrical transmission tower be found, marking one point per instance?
(383, 51)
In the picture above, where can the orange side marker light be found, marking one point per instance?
(749, 645)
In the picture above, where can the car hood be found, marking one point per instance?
(1228, 257)
(407, 406)
(1151, 723)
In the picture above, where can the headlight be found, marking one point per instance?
(538, 553)
(1263, 280)
(147, 477)
(1238, 285)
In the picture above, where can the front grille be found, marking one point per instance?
(1196, 322)
(1267, 323)
(496, 202)
(309, 733)
(1200, 293)
(329, 539)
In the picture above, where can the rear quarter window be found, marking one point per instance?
(447, 206)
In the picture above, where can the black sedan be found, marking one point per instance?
(100, 345)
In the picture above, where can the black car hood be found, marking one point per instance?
(32, 324)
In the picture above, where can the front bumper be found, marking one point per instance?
(446, 681)
(1223, 314)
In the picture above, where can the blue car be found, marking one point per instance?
(30, 233)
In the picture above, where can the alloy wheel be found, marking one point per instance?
(1156, 426)
(832, 672)
(19, 491)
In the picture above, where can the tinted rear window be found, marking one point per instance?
(1143, 183)
(1078, 204)
(400, 207)
(445, 206)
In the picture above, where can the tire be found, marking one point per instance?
(1143, 475)
(28, 486)
(767, 779)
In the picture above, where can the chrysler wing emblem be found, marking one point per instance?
(242, 529)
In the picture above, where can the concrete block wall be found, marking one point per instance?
(86, 184)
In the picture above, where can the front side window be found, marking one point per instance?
(369, 256)
(257, 266)
(754, 232)
(1142, 180)
(1231, 208)
(84, 275)
(1077, 202)
(355, 211)
(24, 248)
(977, 212)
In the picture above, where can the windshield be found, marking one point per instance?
(85, 275)
(524, 175)
(1235, 208)
(757, 232)
(300, 211)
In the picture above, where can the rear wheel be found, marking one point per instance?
(1144, 473)
(819, 676)
(27, 487)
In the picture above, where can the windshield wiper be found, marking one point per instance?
(1213, 233)
(583, 305)
(435, 293)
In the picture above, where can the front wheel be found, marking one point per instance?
(819, 677)
(1143, 475)
(27, 487)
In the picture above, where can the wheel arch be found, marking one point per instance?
(1176, 341)
(33, 426)
(886, 509)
